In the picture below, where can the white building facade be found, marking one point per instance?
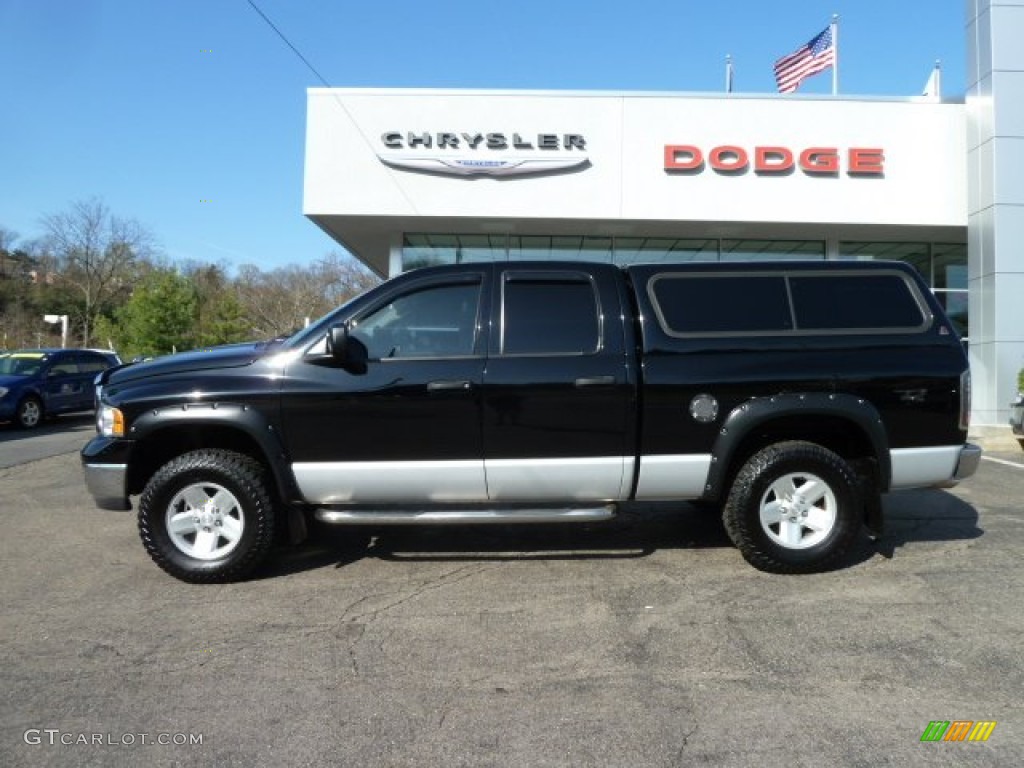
(406, 178)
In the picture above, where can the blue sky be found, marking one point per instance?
(189, 115)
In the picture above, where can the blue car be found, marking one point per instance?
(36, 383)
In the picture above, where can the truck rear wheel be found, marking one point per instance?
(793, 508)
(206, 516)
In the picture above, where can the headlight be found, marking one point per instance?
(109, 421)
(3, 392)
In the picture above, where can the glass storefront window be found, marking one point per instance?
(563, 248)
(648, 250)
(764, 250)
(482, 248)
(425, 250)
(943, 265)
(428, 251)
(915, 254)
(949, 265)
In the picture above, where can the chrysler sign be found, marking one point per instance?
(483, 154)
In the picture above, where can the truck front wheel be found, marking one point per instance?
(206, 516)
(793, 508)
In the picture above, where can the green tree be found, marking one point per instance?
(220, 318)
(225, 322)
(159, 318)
(106, 333)
(28, 291)
(7, 239)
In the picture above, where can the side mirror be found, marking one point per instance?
(347, 351)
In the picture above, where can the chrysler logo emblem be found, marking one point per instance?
(483, 154)
(483, 166)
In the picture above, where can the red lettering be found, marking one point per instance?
(683, 157)
(776, 160)
(866, 161)
(819, 160)
(772, 160)
(727, 158)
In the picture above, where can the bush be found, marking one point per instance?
(1020, 380)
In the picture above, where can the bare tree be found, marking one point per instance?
(278, 302)
(95, 252)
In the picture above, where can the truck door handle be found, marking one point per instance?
(595, 381)
(444, 385)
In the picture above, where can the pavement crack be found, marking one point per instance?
(444, 580)
(684, 744)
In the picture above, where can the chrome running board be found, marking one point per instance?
(451, 516)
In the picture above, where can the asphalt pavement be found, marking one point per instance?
(646, 641)
(54, 437)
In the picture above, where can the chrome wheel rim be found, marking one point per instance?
(30, 413)
(205, 521)
(798, 511)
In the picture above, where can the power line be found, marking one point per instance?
(337, 100)
(289, 44)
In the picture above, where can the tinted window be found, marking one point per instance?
(91, 363)
(840, 302)
(546, 316)
(437, 321)
(64, 365)
(722, 303)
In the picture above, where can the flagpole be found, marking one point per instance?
(938, 78)
(835, 54)
(728, 73)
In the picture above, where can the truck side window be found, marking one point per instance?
(698, 304)
(550, 316)
(871, 301)
(436, 321)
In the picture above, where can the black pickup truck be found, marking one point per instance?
(790, 395)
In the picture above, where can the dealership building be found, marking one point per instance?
(407, 178)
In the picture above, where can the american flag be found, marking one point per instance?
(816, 56)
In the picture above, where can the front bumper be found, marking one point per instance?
(106, 483)
(105, 464)
(7, 408)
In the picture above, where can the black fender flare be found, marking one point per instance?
(750, 415)
(237, 416)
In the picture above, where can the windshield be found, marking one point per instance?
(21, 363)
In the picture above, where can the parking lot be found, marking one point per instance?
(646, 641)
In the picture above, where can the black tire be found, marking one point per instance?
(30, 412)
(207, 516)
(811, 534)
